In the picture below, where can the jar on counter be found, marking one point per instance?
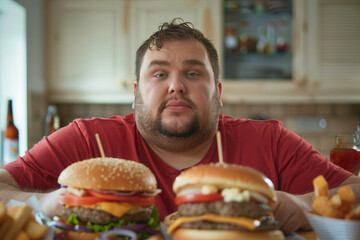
(231, 40)
(270, 47)
(282, 36)
(259, 6)
(345, 154)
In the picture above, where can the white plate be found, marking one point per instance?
(334, 229)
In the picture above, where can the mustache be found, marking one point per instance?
(183, 98)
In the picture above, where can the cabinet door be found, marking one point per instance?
(88, 43)
(334, 48)
(147, 15)
(267, 90)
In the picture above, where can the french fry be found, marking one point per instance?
(336, 201)
(2, 211)
(22, 236)
(340, 205)
(20, 214)
(5, 224)
(322, 206)
(35, 230)
(320, 186)
(354, 214)
(347, 197)
(17, 223)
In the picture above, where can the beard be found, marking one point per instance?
(172, 130)
(176, 135)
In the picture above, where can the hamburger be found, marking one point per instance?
(224, 201)
(107, 196)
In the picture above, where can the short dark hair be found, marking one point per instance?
(176, 31)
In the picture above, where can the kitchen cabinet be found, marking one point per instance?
(92, 43)
(88, 46)
(258, 40)
(91, 47)
(325, 59)
(333, 62)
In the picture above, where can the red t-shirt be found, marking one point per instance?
(288, 160)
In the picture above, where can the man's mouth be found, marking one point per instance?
(177, 106)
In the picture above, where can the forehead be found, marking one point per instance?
(178, 50)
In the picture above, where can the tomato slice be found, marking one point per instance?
(139, 200)
(58, 219)
(197, 197)
(71, 199)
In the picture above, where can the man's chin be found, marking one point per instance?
(177, 129)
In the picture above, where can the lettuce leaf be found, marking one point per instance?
(153, 222)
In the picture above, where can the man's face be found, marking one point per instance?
(176, 94)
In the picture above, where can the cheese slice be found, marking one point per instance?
(115, 208)
(248, 223)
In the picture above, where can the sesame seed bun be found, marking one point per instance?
(206, 234)
(108, 174)
(226, 176)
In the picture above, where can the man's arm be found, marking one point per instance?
(290, 208)
(9, 189)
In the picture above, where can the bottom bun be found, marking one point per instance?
(75, 235)
(156, 237)
(206, 234)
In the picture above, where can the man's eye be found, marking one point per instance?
(193, 74)
(160, 75)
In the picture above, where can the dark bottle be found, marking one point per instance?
(357, 135)
(346, 154)
(52, 120)
(10, 143)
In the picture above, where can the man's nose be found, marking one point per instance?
(176, 84)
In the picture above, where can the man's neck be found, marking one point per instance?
(185, 158)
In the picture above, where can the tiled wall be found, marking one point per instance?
(317, 123)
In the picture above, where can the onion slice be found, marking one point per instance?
(71, 227)
(133, 227)
(129, 193)
(118, 233)
(153, 193)
(259, 197)
(82, 228)
(61, 233)
(63, 225)
(132, 193)
(195, 190)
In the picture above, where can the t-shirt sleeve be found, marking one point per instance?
(40, 167)
(299, 163)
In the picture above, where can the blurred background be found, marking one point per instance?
(293, 60)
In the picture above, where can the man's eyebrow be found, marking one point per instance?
(159, 63)
(193, 62)
(190, 62)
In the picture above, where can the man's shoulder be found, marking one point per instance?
(107, 124)
(231, 121)
(116, 119)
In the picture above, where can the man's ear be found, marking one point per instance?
(219, 87)
(135, 86)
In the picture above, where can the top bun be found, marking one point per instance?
(108, 174)
(226, 176)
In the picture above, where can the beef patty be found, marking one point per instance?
(247, 209)
(100, 217)
(232, 209)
